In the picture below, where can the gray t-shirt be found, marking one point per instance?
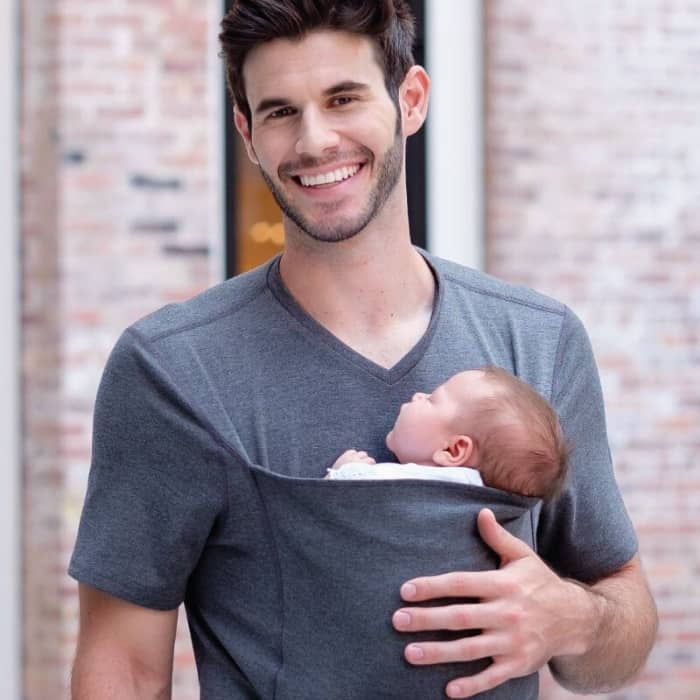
(215, 422)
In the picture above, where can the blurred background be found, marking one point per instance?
(562, 152)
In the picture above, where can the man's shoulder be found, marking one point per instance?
(222, 301)
(474, 282)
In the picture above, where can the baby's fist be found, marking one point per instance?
(353, 456)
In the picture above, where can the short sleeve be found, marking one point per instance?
(586, 533)
(156, 486)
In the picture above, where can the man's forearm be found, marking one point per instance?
(617, 643)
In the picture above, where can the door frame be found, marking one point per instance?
(455, 138)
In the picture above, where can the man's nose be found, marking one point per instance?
(316, 135)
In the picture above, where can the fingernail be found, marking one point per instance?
(402, 619)
(454, 691)
(414, 653)
(408, 590)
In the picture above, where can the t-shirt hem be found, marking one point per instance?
(131, 594)
(609, 566)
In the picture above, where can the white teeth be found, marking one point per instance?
(327, 178)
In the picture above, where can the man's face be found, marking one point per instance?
(324, 131)
(428, 422)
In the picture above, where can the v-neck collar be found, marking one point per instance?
(322, 335)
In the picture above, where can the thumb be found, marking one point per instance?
(507, 546)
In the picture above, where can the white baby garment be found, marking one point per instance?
(393, 470)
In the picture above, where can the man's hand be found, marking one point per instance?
(526, 615)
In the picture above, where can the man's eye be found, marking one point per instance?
(343, 100)
(279, 113)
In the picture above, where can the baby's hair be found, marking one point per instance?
(520, 441)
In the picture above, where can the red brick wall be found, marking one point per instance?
(593, 169)
(593, 152)
(41, 587)
(119, 217)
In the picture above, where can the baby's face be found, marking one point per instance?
(427, 422)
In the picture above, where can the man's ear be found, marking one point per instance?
(457, 453)
(239, 119)
(413, 99)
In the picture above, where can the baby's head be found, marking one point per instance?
(490, 420)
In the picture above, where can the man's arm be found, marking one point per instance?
(595, 637)
(622, 626)
(124, 651)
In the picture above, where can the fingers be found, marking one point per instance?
(353, 456)
(499, 615)
(475, 616)
(507, 546)
(496, 674)
(480, 646)
(357, 456)
(456, 584)
(473, 584)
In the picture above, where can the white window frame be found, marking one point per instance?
(455, 130)
(10, 472)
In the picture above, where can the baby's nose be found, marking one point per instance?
(418, 396)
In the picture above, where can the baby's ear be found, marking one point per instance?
(456, 453)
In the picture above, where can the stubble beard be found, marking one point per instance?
(335, 230)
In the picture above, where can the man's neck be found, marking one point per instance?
(374, 292)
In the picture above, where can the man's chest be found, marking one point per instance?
(310, 418)
(291, 396)
(305, 409)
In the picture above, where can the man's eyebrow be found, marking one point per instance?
(345, 86)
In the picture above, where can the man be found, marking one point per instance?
(206, 480)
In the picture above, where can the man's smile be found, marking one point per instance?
(330, 177)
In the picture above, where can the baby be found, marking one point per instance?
(487, 420)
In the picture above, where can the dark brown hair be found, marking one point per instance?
(520, 440)
(388, 23)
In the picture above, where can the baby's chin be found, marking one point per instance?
(388, 441)
(395, 448)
